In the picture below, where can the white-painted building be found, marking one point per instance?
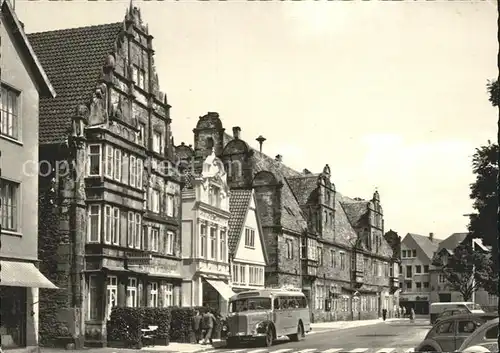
(247, 252)
(205, 228)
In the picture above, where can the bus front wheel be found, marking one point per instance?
(299, 335)
(268, 339)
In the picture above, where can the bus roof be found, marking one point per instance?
(267, 292)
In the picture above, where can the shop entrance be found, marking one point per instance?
(13, 312)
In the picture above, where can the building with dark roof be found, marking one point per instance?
(417, 252)
(105, 141)
(440, 289)
(23, 82)
(330, 246)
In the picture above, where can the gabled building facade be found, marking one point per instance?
(247, 251)
(440, 288)
(23, 82)
(311, 242)
(205, 228)
(106, 141)
(417, 252)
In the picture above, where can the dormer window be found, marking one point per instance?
(214, 196)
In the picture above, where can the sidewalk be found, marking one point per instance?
(341, 325)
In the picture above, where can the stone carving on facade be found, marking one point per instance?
(116, 109)
(98, 107)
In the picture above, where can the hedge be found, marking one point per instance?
(181, 327)
(125, 324)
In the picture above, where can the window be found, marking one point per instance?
(94, 299)
(169, 295)
(213, 243)
(140, 77)
(446, 327)
(320, 295)
(9, 118)
(418, 285)
(289, 248)
(108, 224)
(442, 279)
(342, 261)
(131, 230)
(169, 243)
(139, 173)
(492, 333)
(203, 240)
(418, 269)
(426, 268)
(154, 239)
(138, 229)
(236, 274)
(366, 265)
(111, 294)
(408, 272)
(157, 142)
(426, 284)
(223, 245)
(8, 205)
(466, 326)
(311, 249)
(132, 292)
(214, 196)
(155, 201)
(320, 255)
(303, 248)
(408, 285)
(94, 160)
(109, 166)
(403, 253)
(249, 238)
(133, 171)
(170, 205)
(153, 295)
(142, 134)
(255, 275)
(332, 258)
(243, 272)
(115, 237)
(94, 224)
(414, 253)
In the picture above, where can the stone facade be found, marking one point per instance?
(119, 210)
(315, 238)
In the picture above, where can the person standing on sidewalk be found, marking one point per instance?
(384, 314)
(197, 326)
(208, 325)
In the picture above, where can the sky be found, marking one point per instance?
(392, 95)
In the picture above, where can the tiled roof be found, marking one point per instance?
(239, 201)
(356, 211)
(305, 188)
(344, 232)
(452, 241)
(428, 247)
(73, 59)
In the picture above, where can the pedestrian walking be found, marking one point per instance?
(208, 324)
(197, 326)
(412, 315)
(384, 314)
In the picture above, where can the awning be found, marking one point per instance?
(23, 274)
(221, 287)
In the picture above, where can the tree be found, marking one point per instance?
(466, 270)
(494, 91)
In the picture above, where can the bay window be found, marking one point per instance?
(94, 224)
(139, 172)
(94, 160)
(203, 240)
(213, 243)
(111, 294)
(108, 224)
(255, 275)
(236, 274)
(109, 166)
(132, 292)
(115, 238)
(243, 272)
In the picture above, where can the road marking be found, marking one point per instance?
(410, 350)
(359, 350)
(307, 350)
(257, 351)
(385, 350)
(282, 350)
(235, 351)
(332, 350)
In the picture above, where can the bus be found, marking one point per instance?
(437, 308)
(266, 314)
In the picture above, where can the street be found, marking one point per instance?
(385, 337)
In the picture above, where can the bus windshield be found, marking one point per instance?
(246, 304)
(474, 306)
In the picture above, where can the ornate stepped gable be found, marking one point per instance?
(79, 62)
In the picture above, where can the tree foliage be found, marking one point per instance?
(494, 91)
(465, 270)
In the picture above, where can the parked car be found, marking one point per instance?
(449, 334)
(484, 339)
(450, 312)
(437, 308)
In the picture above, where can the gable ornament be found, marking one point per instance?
(98, 112)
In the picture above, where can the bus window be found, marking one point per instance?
(277, 304)
(303, 302)
(284, 303)
(245, 304)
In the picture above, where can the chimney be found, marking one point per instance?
(261, 140)
(236, 132)
(278, 158)
(431, 236)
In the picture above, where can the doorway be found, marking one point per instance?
(13, 312)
